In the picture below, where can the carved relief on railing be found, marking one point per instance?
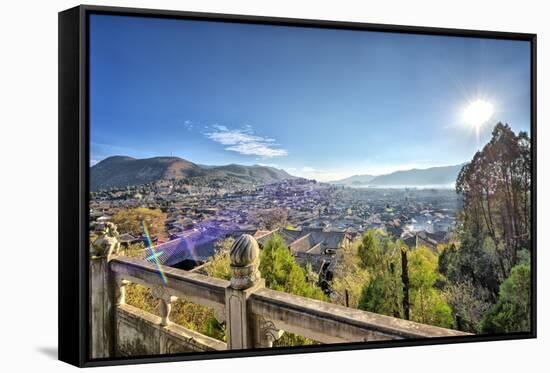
(267, 332)
(219, 314)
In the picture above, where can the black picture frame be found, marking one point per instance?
(74, 176)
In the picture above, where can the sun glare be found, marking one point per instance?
(477, 113)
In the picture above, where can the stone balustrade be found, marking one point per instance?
(255, 316)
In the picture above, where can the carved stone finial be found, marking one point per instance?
(244, 262)
(107, 243)
(111, 229)
(245, 250)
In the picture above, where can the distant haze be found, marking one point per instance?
(442, 177)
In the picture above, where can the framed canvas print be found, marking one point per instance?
(236, 186)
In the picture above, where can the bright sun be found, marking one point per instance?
(477, 113)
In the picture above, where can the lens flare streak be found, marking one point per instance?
(154, 255)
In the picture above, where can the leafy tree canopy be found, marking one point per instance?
(281, 272)
(512, 311)
(129, 221)
(384, 292)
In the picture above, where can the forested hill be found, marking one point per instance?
(121, 171)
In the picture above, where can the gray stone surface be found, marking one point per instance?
(141, 333)
(244, 262)
(255, 316)
(102, 293)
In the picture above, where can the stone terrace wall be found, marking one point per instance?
(255, 316)
(141, 333)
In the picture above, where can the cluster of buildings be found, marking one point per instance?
(318, 218)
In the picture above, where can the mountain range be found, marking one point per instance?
(433, 176)
(121, 171)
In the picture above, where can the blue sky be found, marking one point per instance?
(318, 103)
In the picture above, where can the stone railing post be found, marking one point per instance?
(103, 294)
(245, 280)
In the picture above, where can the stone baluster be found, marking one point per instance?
(165, 309)
(120, 291)
(103, 293)
(165, 306)
(245, 280)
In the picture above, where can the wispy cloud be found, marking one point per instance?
(244, 141)
(273, 165)
(220, 127)
(188, 124)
